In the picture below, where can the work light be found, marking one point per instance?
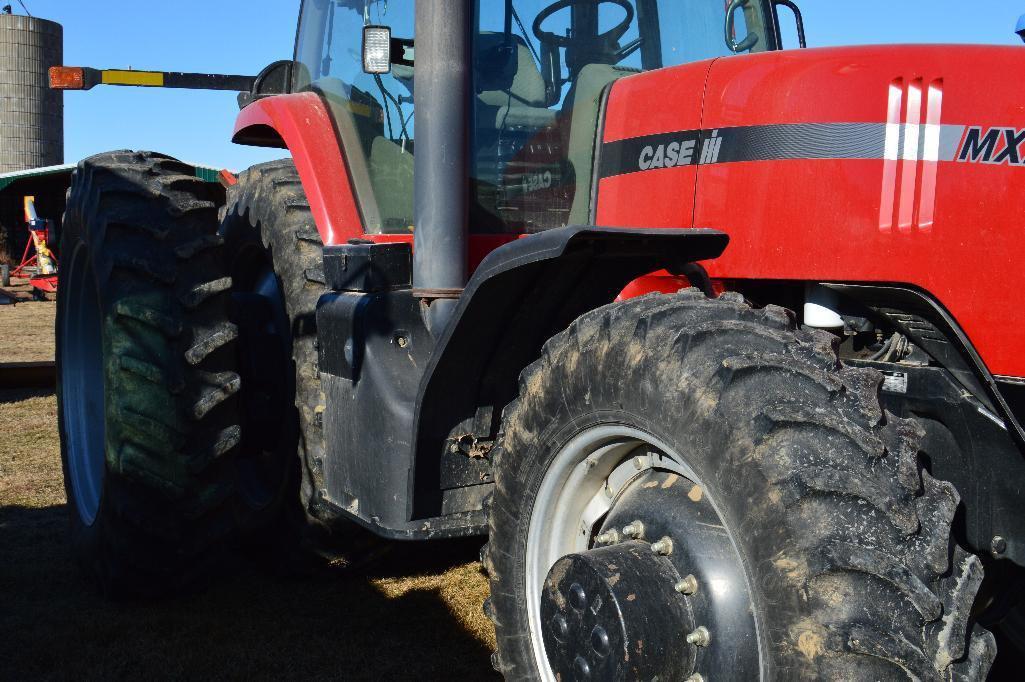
(376, 49)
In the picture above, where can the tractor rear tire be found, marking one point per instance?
(274, 253)
(146, 383)
(842, 541)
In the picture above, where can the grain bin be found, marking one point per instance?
(31, 115)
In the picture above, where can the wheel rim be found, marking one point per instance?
(579, 495)
(82, 385)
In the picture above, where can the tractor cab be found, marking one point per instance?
(539, 70)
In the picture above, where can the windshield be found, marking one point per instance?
(540, 68)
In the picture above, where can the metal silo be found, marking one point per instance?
(31, 115)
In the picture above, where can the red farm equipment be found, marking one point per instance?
(711, 339)
(38, 263)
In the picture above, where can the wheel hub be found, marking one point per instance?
(612, 613)
(613, 491)
(673, 516)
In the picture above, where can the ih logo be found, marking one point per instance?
(992, 145)
(911, 155)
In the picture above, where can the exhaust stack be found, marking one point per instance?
(441, 175)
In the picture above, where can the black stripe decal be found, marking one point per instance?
(749, 143)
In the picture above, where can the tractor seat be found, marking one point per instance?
(504, 80)
(511, 96)
(510, 90)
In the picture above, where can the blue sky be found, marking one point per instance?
(242, 36)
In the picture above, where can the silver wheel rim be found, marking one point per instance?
(578, 490)
(82, 385)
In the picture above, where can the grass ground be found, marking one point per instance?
(26, 331)
(413, 612)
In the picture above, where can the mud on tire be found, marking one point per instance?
(845, 538)
(268, 217)
(146, 380)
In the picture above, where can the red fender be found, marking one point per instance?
(301, 123)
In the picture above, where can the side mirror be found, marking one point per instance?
(749, 41)
(276, 79)
(1020, 27)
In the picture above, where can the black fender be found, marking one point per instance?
(521, 295)
(409, 418)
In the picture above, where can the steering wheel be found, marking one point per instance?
(609, 38)
(580, 51)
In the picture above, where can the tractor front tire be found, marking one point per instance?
(690, 488)
(146, 382)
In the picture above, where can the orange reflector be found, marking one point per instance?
(227, 178)
(67, 78)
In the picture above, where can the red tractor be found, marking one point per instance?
(799, 456)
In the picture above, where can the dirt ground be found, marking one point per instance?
(413, 612)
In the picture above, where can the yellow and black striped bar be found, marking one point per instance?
(85, 78)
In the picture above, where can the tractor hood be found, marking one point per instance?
(901, 164)
(910, 109)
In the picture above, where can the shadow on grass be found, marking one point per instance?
(16, 395)
(386, 620)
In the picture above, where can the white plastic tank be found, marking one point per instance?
(821, 308)
(31, 115)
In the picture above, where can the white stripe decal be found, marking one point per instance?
(890, 154)
(909, 168)
(931, 157)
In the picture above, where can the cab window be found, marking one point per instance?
(373, 114)
(540, 69)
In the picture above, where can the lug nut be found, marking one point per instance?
(688, 585)
(699, 637)
(997, 546)
(609, 537)
(696, 677)
(663, 546)
(634, 530)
